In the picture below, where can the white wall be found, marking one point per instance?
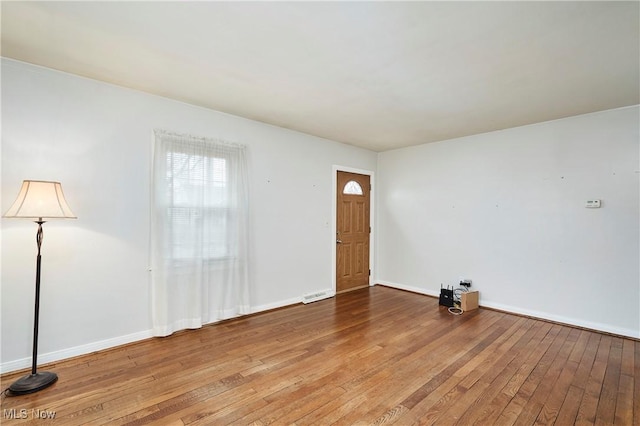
(96, 139)
(506, 209)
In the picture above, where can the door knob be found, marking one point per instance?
(338, 241)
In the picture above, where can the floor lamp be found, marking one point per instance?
(39, 201)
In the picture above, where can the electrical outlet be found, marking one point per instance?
(465, 282)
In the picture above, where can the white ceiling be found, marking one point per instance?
(379, 75)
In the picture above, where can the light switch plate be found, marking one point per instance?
(593, 204)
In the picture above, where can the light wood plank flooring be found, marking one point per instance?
(372, 356)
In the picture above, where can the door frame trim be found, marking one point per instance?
(334, 220)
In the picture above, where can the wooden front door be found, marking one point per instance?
(353, 231)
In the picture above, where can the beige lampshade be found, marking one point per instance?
(40, 200)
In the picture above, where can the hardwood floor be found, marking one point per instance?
(372, 356)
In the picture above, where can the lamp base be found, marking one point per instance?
(33, 383)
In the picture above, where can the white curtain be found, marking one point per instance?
(199, 241)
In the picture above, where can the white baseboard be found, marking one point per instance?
(275, 305)
(62, 354)
(605, 328)
(59, 355)
(45, 358)
(410, 288)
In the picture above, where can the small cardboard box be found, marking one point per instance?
(469, 300)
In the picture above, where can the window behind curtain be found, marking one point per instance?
(198, 187)
(199, 232)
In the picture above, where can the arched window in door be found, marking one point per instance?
(352, 188)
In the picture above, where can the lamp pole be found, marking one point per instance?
(36, 316)
(36, 380)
